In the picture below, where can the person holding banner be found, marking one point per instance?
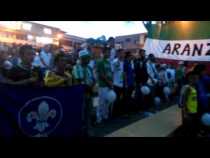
(24, 74)
(83, 74)
(60, 76)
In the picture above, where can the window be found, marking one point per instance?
(44, 40)
(47, 31)
(30, 37)
(128, 40)
(11, 24)
(20, 37)
(136, 42)
(26, 26)
(142, 39)
(66, 42)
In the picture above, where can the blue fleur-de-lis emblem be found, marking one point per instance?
(41, 116)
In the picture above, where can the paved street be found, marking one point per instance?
(123, 121)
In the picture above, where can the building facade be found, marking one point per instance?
(24, 32)
(70, 42)
(131, 42)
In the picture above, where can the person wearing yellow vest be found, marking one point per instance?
(190, 105)
(59, 77)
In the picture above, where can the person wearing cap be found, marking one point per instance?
(24, 73)
(83, 74)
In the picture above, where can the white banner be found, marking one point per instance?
(190, 50)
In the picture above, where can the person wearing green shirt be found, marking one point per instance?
(105, 77)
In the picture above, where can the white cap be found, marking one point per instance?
(62, 49)
(7, 65)
(83, 53)
(84, 45)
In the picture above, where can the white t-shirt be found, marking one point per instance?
(37, 61)
(7, 65)
(151, 70)
(47, 57)
(117, 68)
(112, 54)
(92, 64)
(162, 77)
(172, 72)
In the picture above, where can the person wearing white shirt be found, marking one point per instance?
(118, 81)
(152, 81)
(37, 61)
(112, 54)
(45, 57)
(118, 73)
(151, 70)
(111, 43)
(170, 75)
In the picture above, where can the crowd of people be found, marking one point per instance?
(117, 82)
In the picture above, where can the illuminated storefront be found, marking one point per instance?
(21, 32)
